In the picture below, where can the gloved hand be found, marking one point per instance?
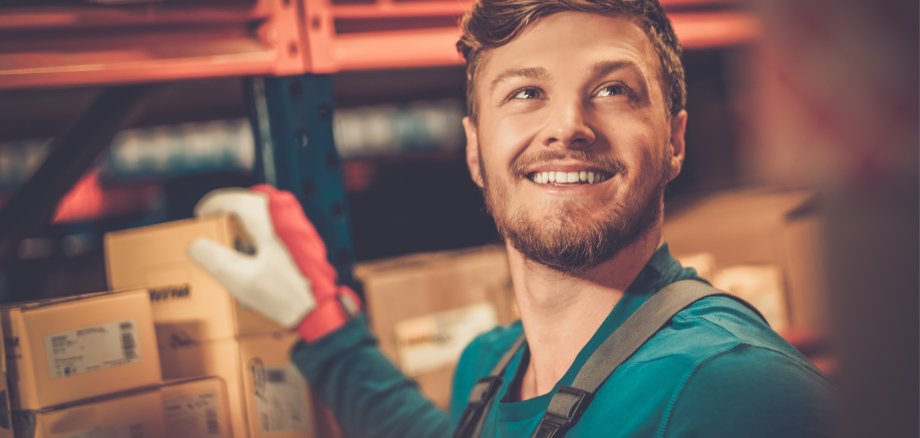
(289, 278)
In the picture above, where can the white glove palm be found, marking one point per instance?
(268, 281)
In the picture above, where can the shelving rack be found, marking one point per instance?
(289, 49)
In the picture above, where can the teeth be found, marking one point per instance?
(584, 176)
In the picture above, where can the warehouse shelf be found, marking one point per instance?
(91, 45)
(288, 47)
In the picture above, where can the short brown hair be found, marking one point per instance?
(494, 23)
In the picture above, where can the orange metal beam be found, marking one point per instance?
(406, 49)
(88, 16)
(59, 47)
(435, 47)
(97, 60)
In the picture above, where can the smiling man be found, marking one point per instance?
(576, 125)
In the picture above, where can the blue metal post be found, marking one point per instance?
(295, 151)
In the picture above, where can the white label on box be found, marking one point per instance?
(112, 431)
(281, 398)
(194, 415)
(92, 348)
(760, 285)
(432, 341)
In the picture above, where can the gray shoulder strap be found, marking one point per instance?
(568, 403)
(483, 394)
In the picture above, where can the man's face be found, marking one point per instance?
(573, 145)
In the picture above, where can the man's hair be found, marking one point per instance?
(494, 23)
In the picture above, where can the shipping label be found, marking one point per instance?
(111, 431)
(281, 398)
(432, 341)
(92, 348)
(195, 415)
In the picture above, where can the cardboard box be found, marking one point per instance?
(196, 409)
(267, 395)
(803, 247)
(64, 350)
(426, 308)
(129, 415)
(737, 227)
(188, 304)
(760, 228)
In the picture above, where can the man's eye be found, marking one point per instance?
(613, 90)
(526, 93)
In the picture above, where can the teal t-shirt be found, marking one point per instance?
(716, 370)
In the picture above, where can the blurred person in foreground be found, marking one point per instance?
(576, 125)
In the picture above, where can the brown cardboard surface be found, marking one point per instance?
(137, 414)
(251, 368)
(737, 227)
(188, 304)
(196, 409)
(64, 350)
(425, 289)
(804, 268)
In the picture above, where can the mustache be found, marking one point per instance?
(603, 162)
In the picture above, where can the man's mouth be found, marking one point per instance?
(569, 178)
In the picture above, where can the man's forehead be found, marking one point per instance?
(591, 38)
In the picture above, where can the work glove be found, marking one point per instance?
(288, 279)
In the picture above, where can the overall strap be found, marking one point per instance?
(569, 402)
(483, 394)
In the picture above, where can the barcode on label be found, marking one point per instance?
(58, 343)
(213, 424)
(276, 376)
(127, 345)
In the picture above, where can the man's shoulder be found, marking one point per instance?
(716, 357)
(711, 325)
(489, 347)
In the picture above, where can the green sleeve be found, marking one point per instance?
(368, 395)
(751, 392)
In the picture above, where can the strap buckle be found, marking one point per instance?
(480, 396)
(484, 389)
(565, 408)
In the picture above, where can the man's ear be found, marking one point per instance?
(678, 143)
(472, 151)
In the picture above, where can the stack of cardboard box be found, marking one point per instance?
(88, 366)
(171, 353)
(201, 331)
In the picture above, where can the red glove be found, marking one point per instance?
(289, 279)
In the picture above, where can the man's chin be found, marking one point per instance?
(570, 251)
(575, 243)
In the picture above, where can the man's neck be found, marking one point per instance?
(560, 312)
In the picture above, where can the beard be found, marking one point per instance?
(569, 240)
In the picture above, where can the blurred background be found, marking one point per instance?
(799, 192)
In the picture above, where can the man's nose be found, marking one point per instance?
(568, 126)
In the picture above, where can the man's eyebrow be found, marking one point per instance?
(529, 72)
(603, 68)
